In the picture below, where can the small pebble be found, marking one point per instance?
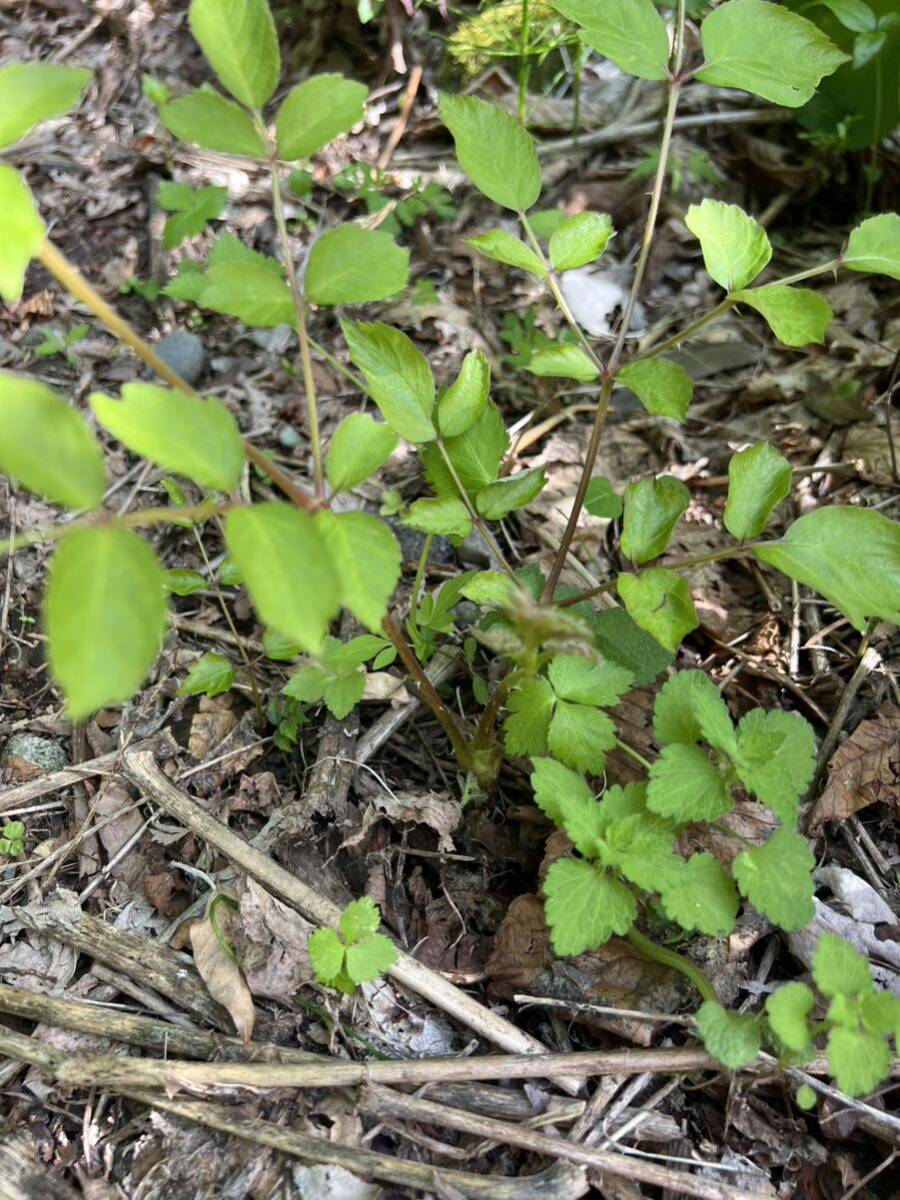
(184, 353)
(42, 752)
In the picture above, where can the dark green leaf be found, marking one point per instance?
(660, 602)
(211, 676)
(652, 508)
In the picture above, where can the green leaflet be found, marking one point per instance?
(838, 969)
(209, 676)
(732, 1038)
(192, 209)
(34, 92)
(564, 361)
(351, 265)
(630, 32)
(494, 150)
(360, 445)
(366, 558)
(464, 401)
(664, 388)
(239, 40)
(690, 707)
(580, 240)
(701, 896)
(251, 292)
(204, 118)
(874, 246)
(797, 316)
(858, 1060)
(475, 455)
(505, 248)
(21, 233)
(584, 907)
(776, 879)
(652, 508)
(759, 478)
(398, 376)
(359, 954)
(788, 1008)
(735, 247)
(775, 759)
(317, 111)
(496, 500)
(440, 514)
(660, 602)
(601, 500)
(686, 785)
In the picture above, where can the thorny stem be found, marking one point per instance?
(479, 524)
(678, 962)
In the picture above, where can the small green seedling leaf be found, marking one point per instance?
(759, 478)
(105, 616)
(498, 499)
(630, 32)
(370, 958)
(326, 953)
(367, 560)
(660, 602)
(601, 500)
(505, 248)
(465, 400)
(530, 710)
(776, 878)
(767, 50)
(564, 362)
(398, 376)
(585, 907)
(184, 583)
(358, 954)
(350, 265)
(733, 1038)
(12, 839)
(797, 316)
(806, 1097)
(34, 92)
(701, 896)
(580, 240)
(775, 759)
(690, 707)
(652, 509)
(47, 445)
(446, 515)
(22, 233)
(494, 150)
(735, 247)
(317, 111)
(204, 118)
(249, 291)
(858, 1060)
(239, 40)
(839, 969)
(788, 1008)
(193, 209)
(686, 785)
(874, 246)
(359, 447)
(181, 433)
(210, 676)
(359, 919)
(664, 388)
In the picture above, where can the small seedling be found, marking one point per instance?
(357, 954)
(53, 343)
(12, 839)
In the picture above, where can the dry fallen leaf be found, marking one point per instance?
(221, 974)
(863, 771)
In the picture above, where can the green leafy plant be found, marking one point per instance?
(12, 839)
(61, 344)
(356, 952)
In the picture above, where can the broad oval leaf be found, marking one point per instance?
(494, 150)
(797, 316)
(288, 570)
(505, 248)
(315, 112)
(465, 399)
(33, 92)
(360, 445)
(660, 602)
(565, 361)
(21, 233)
(498, 499)
(204, 118)
(601, 499)
(366, 559)
(630, 32)
(398, 375)
(664, 388)
(580, 240)
(758, 479)
(447, 515)
(249, 291)
(735, 247)
(585, 907)
(767, 50)
(187, 435)
(105, 615)
(733, 1038)
(777, 878)
(475, 455)
(47, 445)
(652, 507)
(850, 555)
(350, 265)
(874, 246)
(239, 40)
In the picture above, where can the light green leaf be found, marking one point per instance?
(580, 736)
(874, 246)
(767, 50)
(652, 508)
(776, 879)
(564, 361)
(733, 1038)
(181, 433)
(204, 118)
(806, 1097)
(105, 616)
(701, 896)
(250, 292)
(788, 1007)
(850, 555)
(34, 92)
(775, 759)
(839, 969)
(194, 208)
(585, 682)
(686, 785)
(491, 588)
(584, 908)
(288, 569)
(465, 399)
(360, 445)
(558, 790)
(210, 676)
(398, 376)
(370, 958)
(326, 953)
(505, 248)
(502, 496)
(317, 111)
(660, 602)
(230, 251)
(664, 388)
(690, 707)
(735, 247)
(475, 456)
(350, 265)
(630, 32)
(22, 233)
(546, 220)
(185, 583)
(639, 846)
(858, 1061)
(359, 919)
(239, 40)
(530, 708)
(440, 514)
(494, 150)
(308, 684)
(47, 445)
(880, 1012)
(797, 316)
(365, 555)
(759, 478)
(580, 240)
(601, 500)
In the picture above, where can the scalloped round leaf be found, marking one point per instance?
(660, 602)
(664, 388)
(777, 879)
(630, 32)
(874, 246)
(858, 1061)
(204, 118)
(690, 707)
(733, 1038)
(838, 968)
(530, 707)
(775, 759)
(360, 445)
(797, 316)
(360, 918)
(22, 233)
(686, 785)
(558, 788)
(326, 953)
(788, 1008)
(580, 736)
(701, 896)
(351, 265)
(759, 478)
(240, 43)
(735, 247)
(584, 908)
(370, 958)
(33, 92)
(494, 150)
(317, 111)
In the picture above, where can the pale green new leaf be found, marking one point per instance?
(34, 92)
(564, 361)
(880, 1012)
(733, 1038)
(494, 150)
(359, 919)
(475, 455)
(398, 376)
(630, 32)
(660, 602)
(193, 209)
(652, 508)
(776, 758)
(530, 708)
(788, 1008)
(21, 233)
(664, 388)
(498, 499)
(584, 682)
(209, 676)
(640, 847)
(204, 118)
(557, 789)
(859, 1061)
(315, 112)
(360, 445)
(874, 246)
(850, 555)
(580, 240)
(326, 953)
(181, 433)
(351, 265)
(585, 908)
(839, 969)
(446, 515)
(251, 292)
(580, 736)
(342, 693)
(701, 896)
(47, 445)
(776, 879)
(105, 616)
(759, 478)
(239, 40)
(690, 707)
(491, 588)
(367, 560)
(465, 399)
(370, 958)
(686, 785)
(767, 50)
(185, 583)
(503, 247)
(797, 316)
(735, 247)
(230, 251)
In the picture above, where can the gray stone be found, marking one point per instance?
(412, 543)
(289, 437)
(37, 750)
(184, 353)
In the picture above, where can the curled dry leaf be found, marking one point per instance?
(221, 974)
(863, 771)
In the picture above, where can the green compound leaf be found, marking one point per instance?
(601, 500)
(317, 111)
(686, 785)
(797, 316)
(530, 709)
(350, 265)
(639, 846)
(34, 92)
(584, 908)
(343, 693)
(733, 1038)
(47, 445)
(690, 707)
(652, 508)
(475, 455)
(210, 676)
(580, 240)
(775, 759)
(359, 919)
(249, 291)
(788, 1008)
(558, 790)
(193, 209)
(465, 399)
(491, 588)
(326, 953)
(630, 32)
(494, 150)
(398, 376)
(767, 50)
(239, 40)
(735, 247)
(288, 569)
(776, 879)
(584, 682)
(360, 445)
(204, 118)
(874, 246)
(496, 500)
(850, 555)
(759, 478)
(365, 555)
(701, 896)
(370, 958)
(447, 515)
(859, 1061)
(660, 602)
(503, 247)
(838, 969)
(181, 433)
(21, 233)
(580, 736)
(564, 362)
(664, 388)
(105, 616)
